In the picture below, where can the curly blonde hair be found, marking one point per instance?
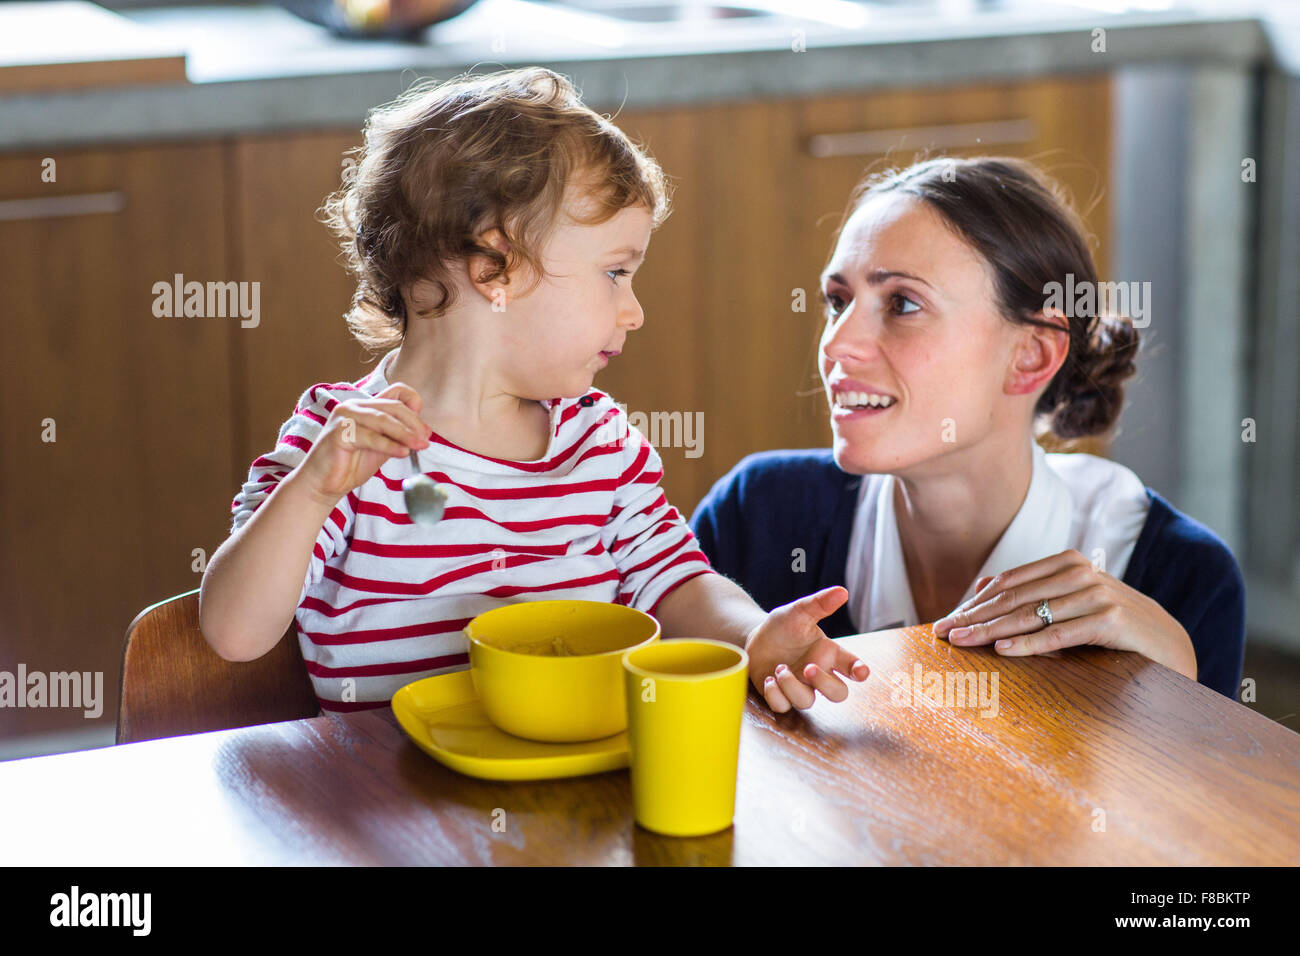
(446, 162)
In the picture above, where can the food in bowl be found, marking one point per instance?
(553, 646)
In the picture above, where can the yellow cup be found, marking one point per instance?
(685, 698)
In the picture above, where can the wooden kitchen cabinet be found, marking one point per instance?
(102, 521)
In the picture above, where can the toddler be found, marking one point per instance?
(493, 224)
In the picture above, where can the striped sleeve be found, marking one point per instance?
(297, 435)
(651, 544)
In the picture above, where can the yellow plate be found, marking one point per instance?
(444, 717)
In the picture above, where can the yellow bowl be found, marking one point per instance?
(553, 670)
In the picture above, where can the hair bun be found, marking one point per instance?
(1091, 396)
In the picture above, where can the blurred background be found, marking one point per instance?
(143, 142)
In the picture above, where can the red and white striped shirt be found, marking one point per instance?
(385, 600)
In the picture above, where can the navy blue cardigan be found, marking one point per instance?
(776, 501)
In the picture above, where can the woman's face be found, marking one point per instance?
(911, 318)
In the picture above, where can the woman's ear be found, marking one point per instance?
(1039, 353)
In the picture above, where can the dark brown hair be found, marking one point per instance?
(1025, 228)
(446, 162)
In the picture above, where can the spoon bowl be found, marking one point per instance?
(425, 499)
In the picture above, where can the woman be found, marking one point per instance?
(943, 350)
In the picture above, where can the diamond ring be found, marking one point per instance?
(1044, 612)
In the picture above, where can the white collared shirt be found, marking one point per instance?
(1091, 504)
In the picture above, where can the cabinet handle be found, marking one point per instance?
(878, 142)
(51, 207)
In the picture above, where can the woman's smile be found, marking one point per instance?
(851, 400)
(842, 413)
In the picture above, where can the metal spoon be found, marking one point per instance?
(425, 499)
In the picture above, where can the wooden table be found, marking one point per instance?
(1093, 757)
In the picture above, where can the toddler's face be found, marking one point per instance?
(554, 339)
(911, 314)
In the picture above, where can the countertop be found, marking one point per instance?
(254, 68)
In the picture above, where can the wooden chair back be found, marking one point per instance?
(174, 683)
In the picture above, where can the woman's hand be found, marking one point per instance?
(1087, 607)
(789, 643)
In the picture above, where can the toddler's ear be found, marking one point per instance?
(485, 274)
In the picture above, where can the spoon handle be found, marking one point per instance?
(415, 460)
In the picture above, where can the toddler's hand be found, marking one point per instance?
(359, 436)
(790, 658)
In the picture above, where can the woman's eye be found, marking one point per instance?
(895, 301)
(615, 273)
(833, 303)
